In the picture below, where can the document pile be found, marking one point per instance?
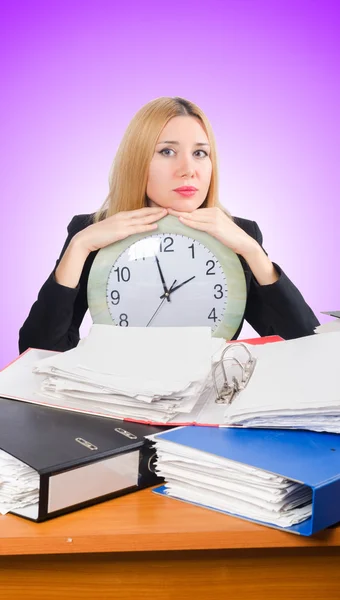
(331, 325)
(294, 384)
(145, 374)
(183, 376)
(220, 469)
(56, 461)
(19, 484)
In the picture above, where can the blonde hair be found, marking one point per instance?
(129, 172)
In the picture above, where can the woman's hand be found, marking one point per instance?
(216, 222)
(118, 227)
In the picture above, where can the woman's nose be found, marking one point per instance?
(186, 167)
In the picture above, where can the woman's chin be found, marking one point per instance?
(184, 204)
(180, 204)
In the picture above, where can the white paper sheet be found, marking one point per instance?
(215, 482)
(19, 484)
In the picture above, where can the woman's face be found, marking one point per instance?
(181, 159)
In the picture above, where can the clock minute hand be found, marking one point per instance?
(173, 289)
(159, 306)
(166, 291)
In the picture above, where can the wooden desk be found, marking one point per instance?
(143, 546)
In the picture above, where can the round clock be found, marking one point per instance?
(174, 276)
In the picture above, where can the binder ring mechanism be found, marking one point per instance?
(226, 392)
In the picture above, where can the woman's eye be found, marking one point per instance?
(204, 153)
(166, 150)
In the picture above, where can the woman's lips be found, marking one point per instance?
(186, 192)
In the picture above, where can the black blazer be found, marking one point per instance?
(54, 320)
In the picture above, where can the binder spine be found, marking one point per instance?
(326, 503)
(146, 477)
(147, 462)
(43, 497)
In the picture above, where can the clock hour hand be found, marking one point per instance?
(166, 291)
(159, 306)
(173, 289)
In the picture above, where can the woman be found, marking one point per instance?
(169, 145)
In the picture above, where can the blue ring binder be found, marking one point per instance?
(306, 457)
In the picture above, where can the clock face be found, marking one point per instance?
(194, 280)
(204, 281)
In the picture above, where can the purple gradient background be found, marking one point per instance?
(74, 73)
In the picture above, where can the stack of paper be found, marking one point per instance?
(295, 384)
(147, 374)
(166, 375)
(216, 482)
(19, 484)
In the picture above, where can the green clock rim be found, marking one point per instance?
(229, 261)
